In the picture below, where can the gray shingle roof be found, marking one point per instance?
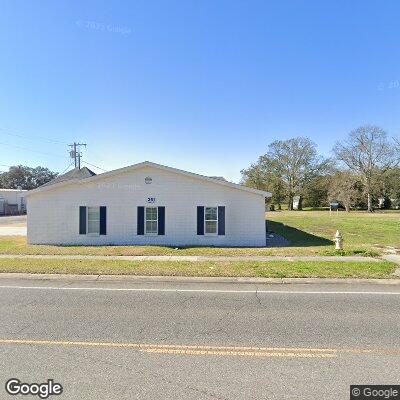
(220, 178)
(72, 175)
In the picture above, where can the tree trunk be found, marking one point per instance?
(300, 206)
(347, 208)
(369, 197)
(290, 203)
(279, 206)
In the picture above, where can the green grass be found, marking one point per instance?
(18, 245)
(310, 233)
(274, 269)
(363, 233)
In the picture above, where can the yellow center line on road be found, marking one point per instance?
(249, 351)
(240, 353)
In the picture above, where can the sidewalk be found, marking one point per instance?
(394, 258)
(12, 231)
(202, 258)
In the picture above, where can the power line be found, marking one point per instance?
(33, 138)
(92, 165)
(34, 151)
(66, 169)
(97, 156)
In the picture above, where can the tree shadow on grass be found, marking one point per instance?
(296, 237)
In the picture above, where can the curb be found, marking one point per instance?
(184, 279)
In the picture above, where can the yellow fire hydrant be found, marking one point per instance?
(338, 241)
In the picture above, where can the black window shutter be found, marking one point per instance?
(82, 220)
(103, 220)
(140, 220)
(221, 220)
(161, 220)
(200, 220)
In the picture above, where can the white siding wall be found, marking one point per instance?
(53, 216)
(13, 196)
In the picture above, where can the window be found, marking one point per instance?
(151, 220)
(93, 218)
(211, 220)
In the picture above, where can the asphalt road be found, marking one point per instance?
(137, 340)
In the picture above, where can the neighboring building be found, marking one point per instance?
(297, 203)
(12, 201)
(395, 203)
(146, 204)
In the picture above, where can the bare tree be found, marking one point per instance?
(369, 153)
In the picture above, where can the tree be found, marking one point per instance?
(296, 162)
(260, 176)
(397, 143)
(316, 191)
(278, 190)
(369, 153)
(344, 188)
(42, 175)
(388, 185)
(25, 177)
(255, 177)
(286, 168)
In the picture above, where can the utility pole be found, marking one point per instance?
(76, 154)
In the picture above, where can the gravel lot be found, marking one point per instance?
(13, 225)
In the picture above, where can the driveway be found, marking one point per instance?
(13, 225)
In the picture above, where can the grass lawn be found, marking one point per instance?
(361, 231)
(310, 233)
(274, 269)
(18, 245)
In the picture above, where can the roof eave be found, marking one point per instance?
(148, 164)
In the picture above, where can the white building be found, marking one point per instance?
(146, 204)
(12, 201)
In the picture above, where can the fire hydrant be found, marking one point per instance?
(338, 241)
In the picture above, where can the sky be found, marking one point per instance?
(202, 86)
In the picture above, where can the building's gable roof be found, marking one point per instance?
(220, 178)
(134, 167)
(74, 174)
(13, 190)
